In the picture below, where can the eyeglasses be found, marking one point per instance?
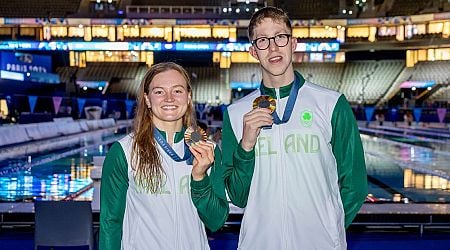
(263, 43)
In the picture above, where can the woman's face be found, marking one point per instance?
(169, 98)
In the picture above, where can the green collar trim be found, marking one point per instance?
(285, 90)
(178, 135)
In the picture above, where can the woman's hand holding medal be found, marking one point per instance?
(201, 149)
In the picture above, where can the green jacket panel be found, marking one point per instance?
(349, 154)
(209, 195)
(113, 192)
(238, 165)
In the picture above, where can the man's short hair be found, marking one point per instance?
(274, 13)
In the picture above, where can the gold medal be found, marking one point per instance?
(265, 101)
(194, 135)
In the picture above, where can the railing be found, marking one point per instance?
(174, 10)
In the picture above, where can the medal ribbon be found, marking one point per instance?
(290, 103)
(169, 150)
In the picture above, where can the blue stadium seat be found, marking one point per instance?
(63, 224)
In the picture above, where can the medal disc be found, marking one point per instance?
(265, 101)
(194, 135)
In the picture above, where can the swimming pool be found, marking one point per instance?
(397, 171)
(62, 173)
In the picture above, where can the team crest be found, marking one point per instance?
(306, 118)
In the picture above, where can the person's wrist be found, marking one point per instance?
(246, 147)
(198, 176)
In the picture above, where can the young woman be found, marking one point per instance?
(146, 199)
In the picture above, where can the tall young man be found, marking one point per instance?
(298, 168)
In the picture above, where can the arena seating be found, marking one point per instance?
(445, 6)
(129, 85)
(346, 78)
(436, 71)
(122, 77)
(177, 3)
(368, 81)
(206, 84)
(309, 9)
(409, 7)
(41, 8)
(65, 73)
(441, 95)
(324, 74)
(108, 70)
(245, 72)
(380, 79)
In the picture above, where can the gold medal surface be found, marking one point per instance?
(194, 135)
(265, 101)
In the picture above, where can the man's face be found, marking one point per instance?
(275, 60)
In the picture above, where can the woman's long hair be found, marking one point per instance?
(145, 157)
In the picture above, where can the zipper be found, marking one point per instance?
(281, 169)
(174, 201)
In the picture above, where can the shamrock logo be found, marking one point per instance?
(306, 118)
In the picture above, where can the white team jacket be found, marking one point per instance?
(167, 220)
(294, 200)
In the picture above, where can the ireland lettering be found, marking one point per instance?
(183, 185)
(292, 143)
(264, 146)
(304, 143)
